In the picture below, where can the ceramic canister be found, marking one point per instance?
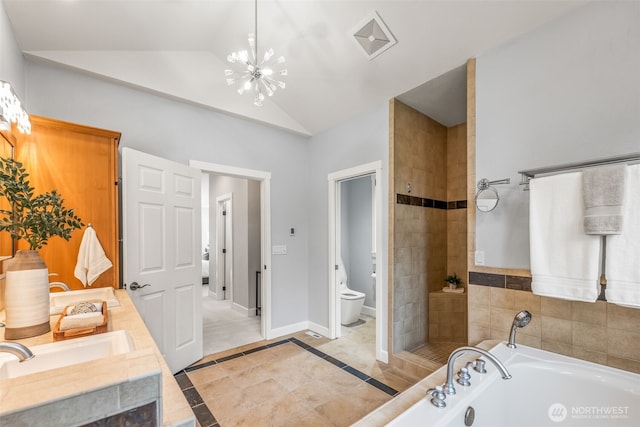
(26, 296)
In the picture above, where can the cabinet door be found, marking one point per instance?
(81, 163)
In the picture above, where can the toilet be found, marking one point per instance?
(351, 301)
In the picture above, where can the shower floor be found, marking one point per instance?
(437, 352)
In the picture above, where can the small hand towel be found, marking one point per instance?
(623, 251)
(603, 189)
(564, 260)
(83, 320)
(92, 261)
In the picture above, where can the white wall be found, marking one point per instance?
(11, 62)
(181, 132)
(361, 140)
(567, 92)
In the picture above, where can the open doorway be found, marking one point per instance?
(234, 309)
(355, 209)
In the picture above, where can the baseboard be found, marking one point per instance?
(322, 330)
(240, 309)
(369, 311)
(286, 330)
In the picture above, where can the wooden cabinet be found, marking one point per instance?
(81, 163)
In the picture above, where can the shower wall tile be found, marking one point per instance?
(428, 165)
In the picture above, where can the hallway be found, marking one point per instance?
(223, 327)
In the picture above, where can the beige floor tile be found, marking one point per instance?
(287, 385)
(201, 377)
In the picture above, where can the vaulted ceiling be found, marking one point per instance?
(178, 48)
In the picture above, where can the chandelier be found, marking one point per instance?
(11, 110)
(254, 74)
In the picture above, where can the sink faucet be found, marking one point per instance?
(17, 349)
(449, 388)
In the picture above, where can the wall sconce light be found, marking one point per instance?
(11, 110)
(487, 197)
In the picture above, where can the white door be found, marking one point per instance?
(161, 252)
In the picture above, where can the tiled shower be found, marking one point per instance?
(428, 222)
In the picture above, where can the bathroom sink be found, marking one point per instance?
(59, 300)
(66, 353)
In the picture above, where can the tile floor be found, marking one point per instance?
(437, 352)
(297, 380)
(223, 327)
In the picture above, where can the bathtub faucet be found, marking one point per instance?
(17, 349)
(449, 388)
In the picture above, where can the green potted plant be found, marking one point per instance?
(34, 219)
(453, 280)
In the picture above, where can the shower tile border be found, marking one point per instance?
(202, 411)
(405, 199)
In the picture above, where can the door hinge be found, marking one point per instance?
(224, 251)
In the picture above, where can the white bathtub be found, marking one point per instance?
(546, 389)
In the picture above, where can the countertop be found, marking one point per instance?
(58, 384)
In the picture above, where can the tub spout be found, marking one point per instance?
(449, 388)
(17, 349)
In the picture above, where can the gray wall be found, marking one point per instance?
(180, 132)
(567, 92)
(246, 235)
(357, 234)
(361, 140)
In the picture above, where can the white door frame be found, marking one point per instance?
(223, 229)
(265, 229)
(381, 285)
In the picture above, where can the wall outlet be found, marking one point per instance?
(479, 257)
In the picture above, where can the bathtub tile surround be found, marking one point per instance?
(599, 332)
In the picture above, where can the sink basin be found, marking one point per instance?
(66, 353)
(59, 300)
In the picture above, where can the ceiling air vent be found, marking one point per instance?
(372, 36)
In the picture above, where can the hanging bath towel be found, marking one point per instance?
(92, 261)
(623, 250)
(564, 260)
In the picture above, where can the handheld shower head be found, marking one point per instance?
(520, 320)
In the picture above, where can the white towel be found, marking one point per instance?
(564, 260)
(623, 250)
(92, 261)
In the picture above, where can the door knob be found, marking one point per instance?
(134, 286)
